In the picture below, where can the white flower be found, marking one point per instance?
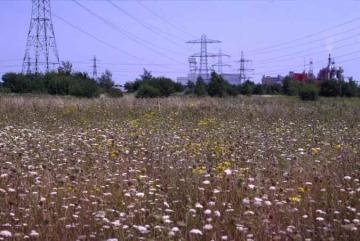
(251, 186)
(206, 182)
(208, 226)
(246, 201)
(198, 205)
(268, 203)
(196, 231)
(5, 233)
(272, 188)
(141, 229)
(140, 194)
(347, 178)
(33, 233)
(217, 191)
(207, 212)
(112, 239)
(175, 229)
(228, 172)
(320, 219)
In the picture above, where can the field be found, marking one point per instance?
(246, 168)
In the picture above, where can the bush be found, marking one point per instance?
(114, 93)
(290, 87)
(247, 88)
(309, 92)
(200, 87)
(330, 88)
(217, 86)
(84, 87)
(147, 91)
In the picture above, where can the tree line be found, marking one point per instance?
(61, 82)
(148, 86)
(67, 82)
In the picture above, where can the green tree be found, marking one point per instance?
(65, 68)
(147, 91)
(290, 87)
(309, 92)
(105, 81)
(247, 88)
(217, 86)
(330, 88)
(200, 87)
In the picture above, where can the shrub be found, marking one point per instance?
(83, 87)
(217, 86)
(200, 87)
(247, 88)
(147, 91)
(330, 88)
(114, 93)
(309, 92)
(290, 87)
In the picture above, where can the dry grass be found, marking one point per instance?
(179, 169)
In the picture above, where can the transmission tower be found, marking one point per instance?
(243, 69)
(193, 68)
(94, 68)
(220, 63)
(41, 53)
(203, 70)
(311, 67)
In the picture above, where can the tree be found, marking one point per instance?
(309, 92)
(200, 87)
(247, 88)
(330, 88)
(349, 89)
(146, 75)
(290, 87)
(105, 81)
(147, 91)
(258, 89)
(65, 68)
(217, 86)
(165, 85)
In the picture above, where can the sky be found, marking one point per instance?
(127, 36)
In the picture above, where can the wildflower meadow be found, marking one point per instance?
(244, 168)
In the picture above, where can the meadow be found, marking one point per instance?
(245, 168)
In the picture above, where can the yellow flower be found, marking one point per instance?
(315, 151)
(338, 147)
(301, 189)
(199, 170)
(295, 199)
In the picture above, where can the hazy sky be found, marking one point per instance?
(276, 35)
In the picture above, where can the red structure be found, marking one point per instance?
(300, 77)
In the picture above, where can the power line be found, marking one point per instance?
(157, 32)
(163, 19)
(292, 46)
(129, 35)
(96, 38)
(307, 51)
(307, 36)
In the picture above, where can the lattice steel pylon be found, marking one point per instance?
(41, 54)
(220, 63)
(203, 55)
(243, 70)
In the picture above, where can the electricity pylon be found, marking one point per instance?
(41, 54)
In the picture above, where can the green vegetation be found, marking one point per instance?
(308, 92)
(67, 82)
(150, 87)
(63, 82)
